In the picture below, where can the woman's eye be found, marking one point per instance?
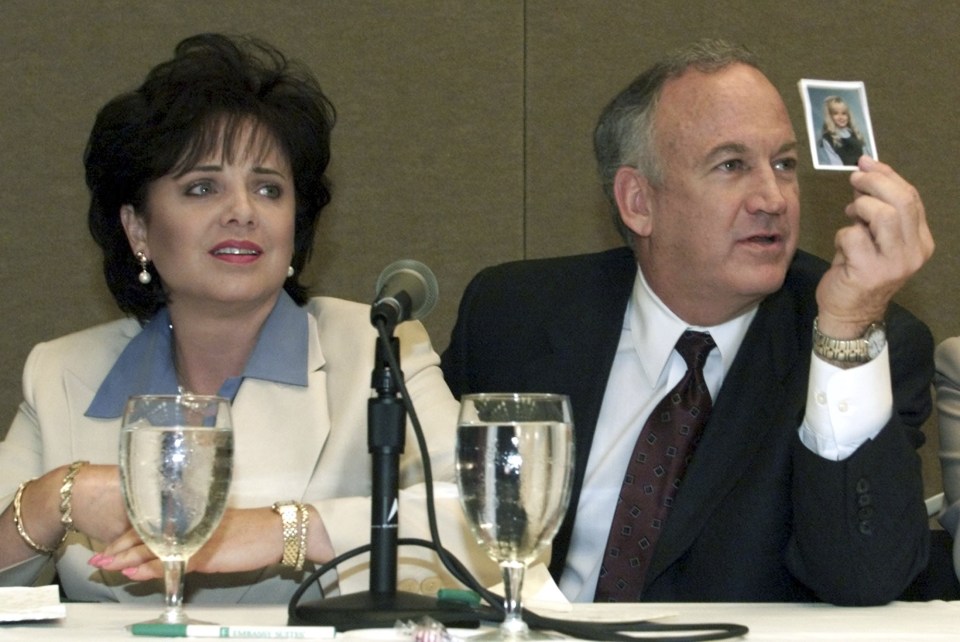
(270, 191)
(199, 189)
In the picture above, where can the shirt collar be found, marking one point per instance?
(655, 330)
(146, 364)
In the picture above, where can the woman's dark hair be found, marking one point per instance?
(186, 108)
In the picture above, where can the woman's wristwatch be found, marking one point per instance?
(294, 518)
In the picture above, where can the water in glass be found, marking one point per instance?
(176, 462)
(514, 472)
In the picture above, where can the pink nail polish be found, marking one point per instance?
(130, 572)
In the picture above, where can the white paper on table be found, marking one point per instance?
(542, 595)
(24, 603)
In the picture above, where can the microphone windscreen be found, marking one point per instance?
(416, 279)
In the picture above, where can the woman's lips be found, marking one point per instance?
(237, 251)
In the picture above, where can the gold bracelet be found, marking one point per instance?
(66, 496)
(303, 519)
(293, 540)
(18, 521)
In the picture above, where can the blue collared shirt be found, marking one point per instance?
(146, 365)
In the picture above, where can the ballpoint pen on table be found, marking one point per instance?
(236, 632)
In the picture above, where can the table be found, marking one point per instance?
(894, 622)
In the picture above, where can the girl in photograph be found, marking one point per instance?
(841, 142)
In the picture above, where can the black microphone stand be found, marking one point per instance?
(382, 606)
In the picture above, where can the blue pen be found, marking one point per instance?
(241, 632)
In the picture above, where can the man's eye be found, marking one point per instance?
(786, 164)
(731, 165)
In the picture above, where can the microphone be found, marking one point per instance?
(406, 289)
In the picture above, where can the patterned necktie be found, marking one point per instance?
(659, 460)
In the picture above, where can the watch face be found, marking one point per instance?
(876, 340)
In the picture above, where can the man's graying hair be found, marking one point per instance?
(624, 134)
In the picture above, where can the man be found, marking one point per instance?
(805, 483)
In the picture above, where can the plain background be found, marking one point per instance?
(464, 130)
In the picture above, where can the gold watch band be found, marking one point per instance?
(293, 518)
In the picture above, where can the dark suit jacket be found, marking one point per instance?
(759, 517)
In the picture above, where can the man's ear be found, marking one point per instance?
(135, 228)
(633, 193)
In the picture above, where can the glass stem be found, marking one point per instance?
(513, 624)
(173, 589)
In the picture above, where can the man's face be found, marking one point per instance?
(725, 220)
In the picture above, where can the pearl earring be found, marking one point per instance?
(290, 272)
(144, 277)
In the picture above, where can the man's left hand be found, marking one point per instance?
(887, 243)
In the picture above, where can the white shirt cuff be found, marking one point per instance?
(846, 407)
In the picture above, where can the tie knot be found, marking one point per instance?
(694, 347)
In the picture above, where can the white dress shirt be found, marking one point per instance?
(843, 410)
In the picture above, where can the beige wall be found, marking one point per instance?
(464, 129)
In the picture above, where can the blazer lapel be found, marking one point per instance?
(279, 432)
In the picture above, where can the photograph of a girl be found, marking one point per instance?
(838, 123)
(841, 141)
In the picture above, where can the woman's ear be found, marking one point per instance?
(633, 193)
(135, 228)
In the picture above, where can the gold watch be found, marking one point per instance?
(847, 353)
(289, 513)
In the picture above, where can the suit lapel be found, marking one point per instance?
(583, 342)
(750, 404)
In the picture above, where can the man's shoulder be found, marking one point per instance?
(563, 270)
(612, 257)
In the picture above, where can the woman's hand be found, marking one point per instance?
(96, 506)
(97, 503)
(246, 539)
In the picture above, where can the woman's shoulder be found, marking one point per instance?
(947, 358)
(104, 341)
(344, 319)
(332, 312)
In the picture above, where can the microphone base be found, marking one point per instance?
(368, 610)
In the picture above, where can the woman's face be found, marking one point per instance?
(840, 114)
(220, 233)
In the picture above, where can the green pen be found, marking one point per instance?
(245, 632)
(459, 596)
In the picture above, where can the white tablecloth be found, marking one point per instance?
(781, 622)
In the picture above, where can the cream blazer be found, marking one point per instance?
(307, 444)
(947, 384)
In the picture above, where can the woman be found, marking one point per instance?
(947, 384)
(206, 186)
